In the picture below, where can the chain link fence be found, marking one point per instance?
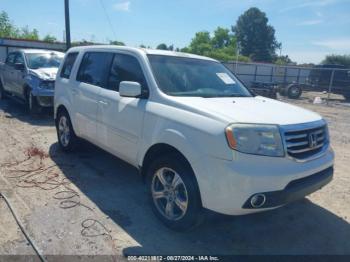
(319, 84)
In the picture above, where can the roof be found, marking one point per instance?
(140, 51)
(31, 51)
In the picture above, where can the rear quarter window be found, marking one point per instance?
(68, 65)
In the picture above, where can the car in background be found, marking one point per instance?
(29, 76)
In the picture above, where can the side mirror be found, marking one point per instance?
(19, 66)
(130, 89)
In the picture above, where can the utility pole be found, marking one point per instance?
(66, 11)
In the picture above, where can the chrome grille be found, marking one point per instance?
(304, 143)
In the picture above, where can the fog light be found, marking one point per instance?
(258, 200)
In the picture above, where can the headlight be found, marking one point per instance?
(255, 139)
(47, 84)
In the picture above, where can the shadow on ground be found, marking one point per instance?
(117, 189)
(15, 109)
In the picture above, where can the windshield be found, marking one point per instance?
(43, 60)
(181, 76)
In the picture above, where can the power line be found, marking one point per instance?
(108, 19)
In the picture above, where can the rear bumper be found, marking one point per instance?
(295, 190)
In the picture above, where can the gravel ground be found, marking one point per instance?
(91, 203)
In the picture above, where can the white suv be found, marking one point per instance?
(198, 136)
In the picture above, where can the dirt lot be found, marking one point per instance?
(91, 203)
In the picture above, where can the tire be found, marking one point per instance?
(294, 91)
(66, 136)
(32, 104)
(2, 92)
(172, 183)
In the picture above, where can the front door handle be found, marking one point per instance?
(103, 103)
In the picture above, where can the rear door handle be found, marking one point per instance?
(74, 91)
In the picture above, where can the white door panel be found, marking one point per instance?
(120, 122)
(86, 97)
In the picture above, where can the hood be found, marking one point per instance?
(45, 73)
(259, 110)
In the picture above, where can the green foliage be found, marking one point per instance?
(337, 60)
(50, 38)
(116, 43)
(222, 38)
(255, 37)
(162, 47)
(283, 60)
(83, 42)
(26, 33)
(7, 29)
(222, 46)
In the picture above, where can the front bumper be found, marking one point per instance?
(45, 101)
(226, 186)
(44, 96)
(295, 190)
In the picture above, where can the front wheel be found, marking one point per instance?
(32, 103)
(2, 92)
(174, 193)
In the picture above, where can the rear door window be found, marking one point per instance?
(94, 68)
(68, 65)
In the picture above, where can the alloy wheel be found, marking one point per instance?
(169, 194)
(64, 131)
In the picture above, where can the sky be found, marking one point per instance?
(307, 29)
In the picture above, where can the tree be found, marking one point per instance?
(162, 47)
(255, 37)
(222, 38)
(116, 43)
(201, 43)
(171, 47)
(26, 33)
(337, 60)
(7, 29)
(50, 38)
(283, 60)
(222, 46)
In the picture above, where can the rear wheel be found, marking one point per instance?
(294, 91)
(65, 133)
(174, 193)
